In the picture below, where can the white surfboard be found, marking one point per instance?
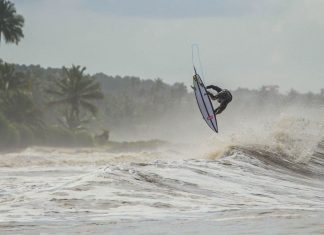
(204, 103)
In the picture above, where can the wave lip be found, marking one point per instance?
(277, 160)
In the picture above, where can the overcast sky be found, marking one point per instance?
(245, 43)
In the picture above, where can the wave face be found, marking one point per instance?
(265, 180)
(247, 189)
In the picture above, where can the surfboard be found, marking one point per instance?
(204, 103)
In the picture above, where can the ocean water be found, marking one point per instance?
(232, 185)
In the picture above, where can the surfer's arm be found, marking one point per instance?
(212, 96)
(216, 88)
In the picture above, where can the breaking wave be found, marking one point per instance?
(272, 173)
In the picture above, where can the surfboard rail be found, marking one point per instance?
(204, 103)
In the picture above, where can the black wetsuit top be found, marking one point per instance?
(223, 97)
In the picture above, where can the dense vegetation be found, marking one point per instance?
(46, 106)
(66, 107)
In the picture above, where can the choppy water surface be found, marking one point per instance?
(247, 190)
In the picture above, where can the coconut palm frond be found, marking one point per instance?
(76, 91)
(11, 23)
(90, 107)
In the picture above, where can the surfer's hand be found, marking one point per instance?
(211, 95)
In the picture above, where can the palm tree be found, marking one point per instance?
(10, 23)
(11, 80)
(16, 101)
(75, 92)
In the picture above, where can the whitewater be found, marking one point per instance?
(266, 180)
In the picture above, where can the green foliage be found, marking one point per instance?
(9, 136)
(83, 139)
(20, 108)
(12, 80)
(62, 137)
(59, 137)
(103, 138)
(15, 97)
(131, 104)
(11, 23)
(76, 93)
(26, 136)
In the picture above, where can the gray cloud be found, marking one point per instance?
(188, 8)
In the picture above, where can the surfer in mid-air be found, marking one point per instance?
(223, 96)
